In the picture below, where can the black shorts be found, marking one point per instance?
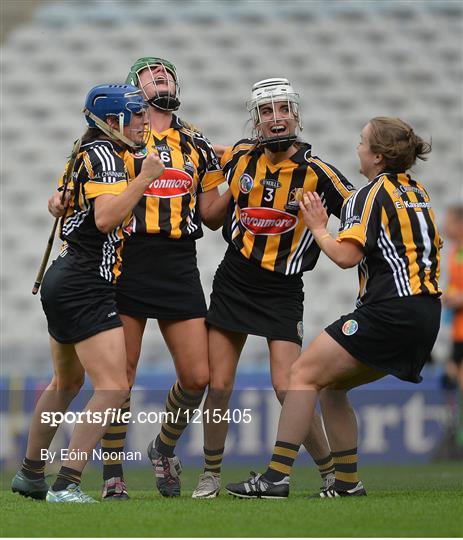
(78, 304)
(457, 352)
(394, 336)
(251, 300)
(160, 279)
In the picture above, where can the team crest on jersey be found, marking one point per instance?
(188, 165)
(295, 196)
(172, 183)
(267, 221)
(350, 327)
(300, 329)
(140, 153)
(246, 183)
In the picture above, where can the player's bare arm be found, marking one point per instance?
(213, 207)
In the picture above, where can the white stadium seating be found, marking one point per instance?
(348, 60)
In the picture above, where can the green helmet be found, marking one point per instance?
(164, 100)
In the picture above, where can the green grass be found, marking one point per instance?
(413, 501)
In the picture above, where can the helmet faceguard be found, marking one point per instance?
(120, 101)
(270, 92)
(165, 100)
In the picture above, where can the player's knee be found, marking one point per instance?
(115, 396)
(307, 372)
(194, 382)
(68, 384)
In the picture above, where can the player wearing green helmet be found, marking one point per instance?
(161, 88)
(160, 278)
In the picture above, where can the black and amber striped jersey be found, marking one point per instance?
(169, 206)
(264, 221)
(392, 219)
(99, 169)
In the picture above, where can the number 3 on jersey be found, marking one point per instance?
(269, 192)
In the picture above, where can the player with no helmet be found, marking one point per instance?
(389, 230)
(258, 286)
(78, 291)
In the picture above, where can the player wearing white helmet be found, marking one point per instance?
(258, 286)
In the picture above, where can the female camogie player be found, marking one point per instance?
(388, 229)
(160, 278)
(78, 292)
(258, 286)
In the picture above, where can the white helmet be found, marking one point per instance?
(273, 91)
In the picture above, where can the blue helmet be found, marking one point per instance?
(113, 99)
(119, 100)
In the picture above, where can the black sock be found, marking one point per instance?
(283, 457)
(33, 469)
(345, 464)
(113, 443)
(213, 460)
(180, 405)
(65, 477)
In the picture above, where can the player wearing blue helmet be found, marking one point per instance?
(78, 290)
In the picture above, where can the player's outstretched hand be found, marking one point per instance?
(313, 211)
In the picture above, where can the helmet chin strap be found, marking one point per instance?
(278, 144)
(165, 102)
(111, 132)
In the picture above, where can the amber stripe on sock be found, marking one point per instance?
(345, 464)
(213, 460)
(65, 477)
(181, 405)
(283, 457)
(33, 469)
(113, 441)
(325, 466)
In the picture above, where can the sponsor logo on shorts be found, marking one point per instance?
(112, 314)
(300, 329)
(350, 327)
(245, 183)
(172, 183)
(267, 221)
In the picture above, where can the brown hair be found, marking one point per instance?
(396, 141)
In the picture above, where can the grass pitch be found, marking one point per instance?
(413, 501)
